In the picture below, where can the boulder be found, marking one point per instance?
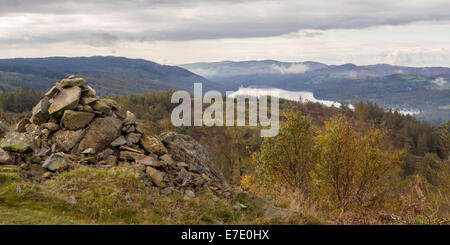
(156, 176)
(55, 162)
(133, 138)
(110, 102)
(148, 161)
(131, 156)
(88, 100)
(40, 112)
(21, 126)
(18, 142)
(52, 92)
(72, 82)
(130, 119)
(5, 158)
(88, 91)
(153, 145)
(51, 126)
(67, 99)
(183, 148)
(74, 120)
(101, 133)
(119, 141)
(101, 106)
(66, 140)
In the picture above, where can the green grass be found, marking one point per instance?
(117, 196)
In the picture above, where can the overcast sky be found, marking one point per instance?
(413, 32)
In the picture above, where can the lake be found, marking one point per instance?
(303, 96)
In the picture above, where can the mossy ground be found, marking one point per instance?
(116, 196)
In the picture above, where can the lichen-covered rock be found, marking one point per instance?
(153, 145)
(67, 99)
(74, 120)
(18, 142)
(55, 162)
(183, 148)
(66, 140)
(101, 133)
(40, 112)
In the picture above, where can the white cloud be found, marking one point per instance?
(291, 69)
(184, 31)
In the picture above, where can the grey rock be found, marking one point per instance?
(21, 126)
(134, 138)
(66, 140)
(182, 165)
(55, 162)
(189, 193)
(72, 200)
(102, 107)
(119, 141)
(51, 93)
(40, 112)
(148, 161)
(51, 126)
(156, 176)
(183, 148)
(67, 99)
(166, 191)
(18, 142)
(5, 158)
(72, 82)
(74, 120)
(101, 133)
(153, 144)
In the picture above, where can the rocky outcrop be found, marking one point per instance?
(185, 149)
(70, 127)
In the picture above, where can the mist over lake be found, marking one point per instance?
(303, 96)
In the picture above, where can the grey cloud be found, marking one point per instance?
(112, 21)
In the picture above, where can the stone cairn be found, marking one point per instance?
(70, 127)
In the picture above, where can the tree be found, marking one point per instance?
(352, 167)
(287, 159)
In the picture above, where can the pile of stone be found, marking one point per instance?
(70, 127)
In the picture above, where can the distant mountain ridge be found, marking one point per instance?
(425, 89)
(108, 75)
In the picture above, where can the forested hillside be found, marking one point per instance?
(409, 156)
(107, 75)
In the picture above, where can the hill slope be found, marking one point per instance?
(108, 75)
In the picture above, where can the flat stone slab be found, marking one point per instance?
(67, 99)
